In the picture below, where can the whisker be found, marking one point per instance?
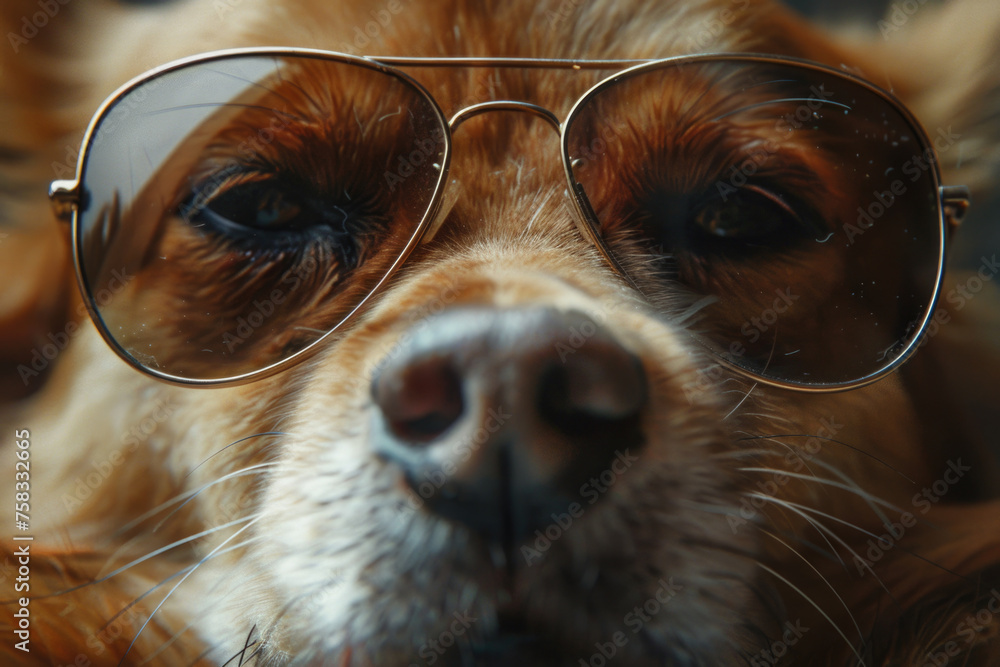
(234, 442)
(693, 310)
(329, 584)
(185, 496)
(878, 537)
(244, 472)
(869, 500)
(177, 635)
(139, 561)
(838, 442)
(822, 578)
(770, 355)
(856, 490)
(808, 599)
(177, 585)
(825, 530)
(825, 515)
(247, 643)
(743, 400)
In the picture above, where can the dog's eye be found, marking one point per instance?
(750, 215)
(752, 218)
(266, 212)
(259, 205)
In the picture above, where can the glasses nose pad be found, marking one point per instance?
(585, 206)
(588, 224)
(449, 197)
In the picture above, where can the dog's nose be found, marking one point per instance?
(506, 420)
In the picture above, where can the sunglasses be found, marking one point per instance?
(233, 210)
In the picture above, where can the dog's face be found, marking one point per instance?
(514, 450)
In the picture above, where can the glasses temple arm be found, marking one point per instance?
(955, 201)
(65, 197)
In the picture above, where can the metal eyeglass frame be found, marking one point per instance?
(66, 195)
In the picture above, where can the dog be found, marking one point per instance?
(511, 451)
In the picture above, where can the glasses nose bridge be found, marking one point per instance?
(505, 105)
(585, 218)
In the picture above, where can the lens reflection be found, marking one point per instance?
(788, 216)
(247, 204)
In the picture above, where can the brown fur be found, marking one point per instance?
(330, 572)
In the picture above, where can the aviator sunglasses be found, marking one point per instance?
(232, 210)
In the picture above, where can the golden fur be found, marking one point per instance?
(329, 571)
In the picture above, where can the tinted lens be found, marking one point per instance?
(236, 210)
(787, 215)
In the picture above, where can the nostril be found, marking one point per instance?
(599, 388)
(421, 400)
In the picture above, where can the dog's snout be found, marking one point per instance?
(498, 417)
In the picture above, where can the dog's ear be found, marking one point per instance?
(942, 60)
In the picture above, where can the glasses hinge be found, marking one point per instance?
(65, 196)
(955, 201)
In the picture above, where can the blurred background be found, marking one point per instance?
(839, 10)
